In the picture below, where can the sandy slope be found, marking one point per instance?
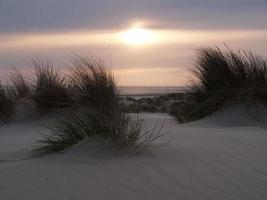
(204, 160)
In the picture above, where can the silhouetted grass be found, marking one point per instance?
(220, 77)
(50, 90)
(95, 84)
(7, 105)
(66, 134)
(98, 115)
(119, 129)
(19, 87)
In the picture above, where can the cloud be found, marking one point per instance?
(59, 28)
(58, 15)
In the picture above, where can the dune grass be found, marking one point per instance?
(50, 90)
(19, 86)
(98, 114)
(221, 76)
(95, 84)
(120, 130)
(7, 104)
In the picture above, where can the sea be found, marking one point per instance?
(145, 91)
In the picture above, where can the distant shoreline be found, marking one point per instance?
(147, 91)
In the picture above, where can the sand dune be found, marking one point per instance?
(221, 157)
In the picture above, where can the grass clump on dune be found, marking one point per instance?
(120, 130)
(222, 76)
(20, 87)
(98, 115)
(50, 91)
(16, 90)
(95, 84)
(7, 104)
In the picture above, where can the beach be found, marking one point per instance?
(195, 161)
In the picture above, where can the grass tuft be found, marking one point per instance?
(7, 104)
(222, 76)
(50, 90)
(20, 87)
(99, 114)
(121, 130)
(95, 84)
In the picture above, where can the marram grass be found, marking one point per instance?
(50, 89)
(221, 76)
(97, 114)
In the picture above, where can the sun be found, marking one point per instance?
(137, 36)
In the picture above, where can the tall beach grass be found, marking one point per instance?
(221, 76)
(7, 104)
(120, 130)
(95, 85)
(19, 86)
(50, 88)
(97, 113)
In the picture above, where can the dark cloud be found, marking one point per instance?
(58, 15)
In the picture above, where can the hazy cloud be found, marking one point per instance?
(39, 28)
(57, 15)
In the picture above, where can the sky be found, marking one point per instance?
(146, 42)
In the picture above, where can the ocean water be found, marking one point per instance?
(147, 91)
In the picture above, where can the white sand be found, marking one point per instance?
(221, 157)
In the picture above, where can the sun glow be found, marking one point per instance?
(138, 36)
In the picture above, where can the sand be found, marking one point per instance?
(221, 157)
